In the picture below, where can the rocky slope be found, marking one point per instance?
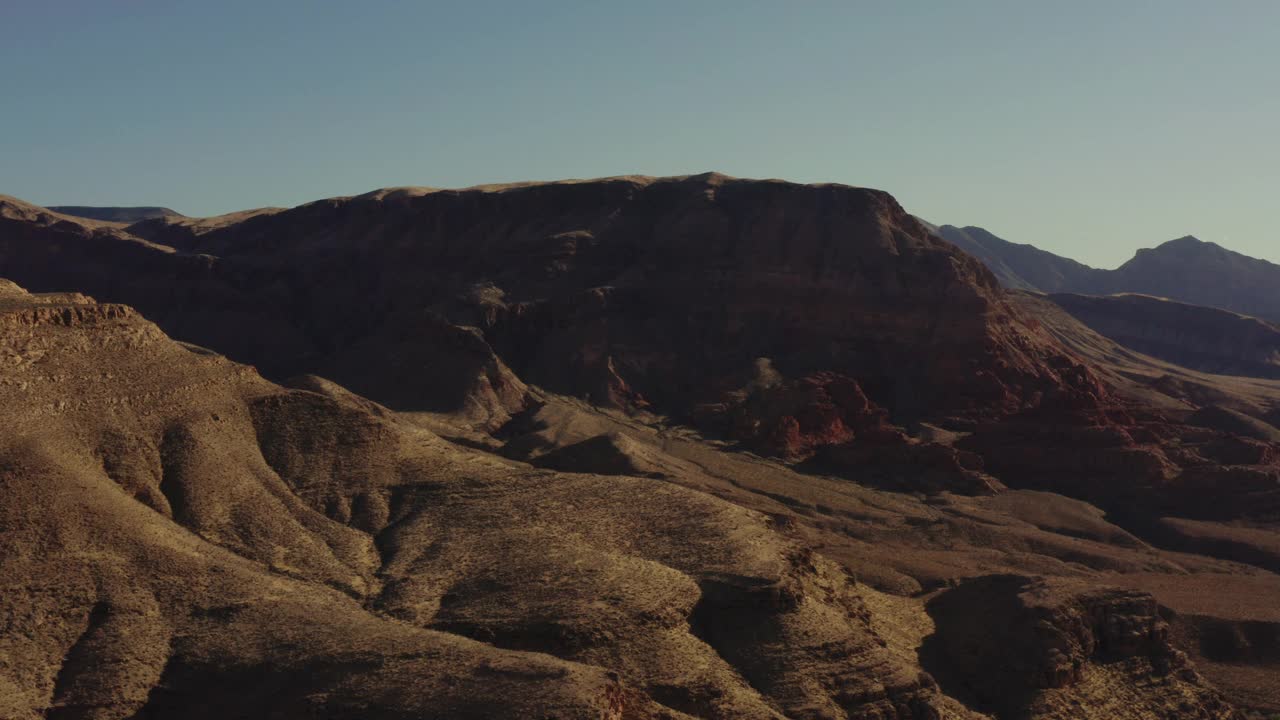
(1194, 336)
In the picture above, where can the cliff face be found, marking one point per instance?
(1046, 649)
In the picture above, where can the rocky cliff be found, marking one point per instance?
(1047, 649)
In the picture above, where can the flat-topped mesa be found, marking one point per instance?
(631, 291)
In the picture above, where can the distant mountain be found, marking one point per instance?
(1020, 266)
(1187, 270)
(1202, 273)
(1189, 302)
(116, 214)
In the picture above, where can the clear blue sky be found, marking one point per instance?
(1088, 128)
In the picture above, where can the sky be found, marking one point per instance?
(1087, 128)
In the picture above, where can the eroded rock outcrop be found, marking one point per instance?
(1025, 647)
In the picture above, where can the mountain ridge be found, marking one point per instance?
(1185, 269)
(1238, 296)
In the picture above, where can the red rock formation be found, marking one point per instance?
(792, 419)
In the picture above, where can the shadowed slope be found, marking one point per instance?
(1193, 336)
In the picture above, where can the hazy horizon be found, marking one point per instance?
(1088, 130)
